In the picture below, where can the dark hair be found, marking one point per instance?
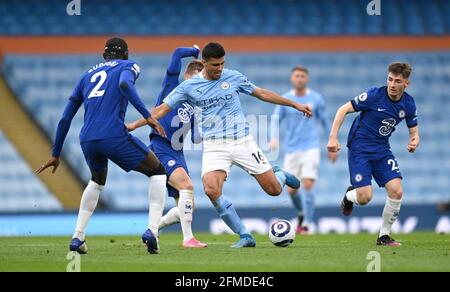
(399, 68)
(194, 65)
(116, 48)
(300, 68)
(213, 50)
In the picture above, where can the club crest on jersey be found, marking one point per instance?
(358, 177)
(225, 85)
(185, 113)
(171, 163)
(401, 114)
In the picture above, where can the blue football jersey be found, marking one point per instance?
(180, 120)
(104, 105)
(379, 115)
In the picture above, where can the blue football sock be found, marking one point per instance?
(308, 203)
(297, 201)
(229, 216)
(281, 177)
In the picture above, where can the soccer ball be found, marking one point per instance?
(282, 233)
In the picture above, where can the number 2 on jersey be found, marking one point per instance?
(394, 165)
(96, 91)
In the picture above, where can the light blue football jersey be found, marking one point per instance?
(216, 103)
(299, 132)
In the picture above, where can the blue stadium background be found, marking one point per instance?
(42, 84)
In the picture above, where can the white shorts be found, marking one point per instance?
(303, 164)
(244, 152)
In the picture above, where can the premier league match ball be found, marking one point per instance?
(282, 233)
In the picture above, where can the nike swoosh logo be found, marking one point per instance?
(381, 109)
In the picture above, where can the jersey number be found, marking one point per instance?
(259, 157)
(96, 91)
(394, 165)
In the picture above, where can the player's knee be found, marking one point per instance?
(364, 197)
(160, 170)
(396, 194)
(307, 184)
(274, 190)
(212, 192)
(186, 185)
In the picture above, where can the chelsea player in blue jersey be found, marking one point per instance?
(215, 95)
(169, 150)
(369, 155)
(105, 91)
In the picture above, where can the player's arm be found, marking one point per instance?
(333, 142)
(156, 114)
(61, 132)
(414, 139)
(174, 67)
(272, 97)
(127, 88)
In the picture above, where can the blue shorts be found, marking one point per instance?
(127, 152)
(171, 159)
(383, 167)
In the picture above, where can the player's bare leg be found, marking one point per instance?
(88, 204)
(180, 180)
(213, 184)
(273, 181)
(359, 196)
(153, 168)
(390, 212)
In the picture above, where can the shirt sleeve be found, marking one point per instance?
(244, 85)
(134, 68)
(128, 90)
(411, 115)
(177, 96)
(364, 101)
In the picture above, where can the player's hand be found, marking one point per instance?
(333, 145)
(54, 161)
(157, 126)
(412, 146)
(130, 127)
(273, 145)
(332, 156)
(304, 108)
(195, 46)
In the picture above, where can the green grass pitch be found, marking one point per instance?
(420, 252)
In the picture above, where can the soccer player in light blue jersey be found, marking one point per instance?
(380, 109)
(105, 91)
(302, 143)
(215, 95)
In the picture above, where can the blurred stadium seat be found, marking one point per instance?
(225, 17)
(20, 189)
(44, 83)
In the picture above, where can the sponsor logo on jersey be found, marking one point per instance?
(185, 113)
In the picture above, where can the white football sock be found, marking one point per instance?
(157, 200)
(171, 217)
(186, 208)
(352, 196)
(390, 215)
(88, 203)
